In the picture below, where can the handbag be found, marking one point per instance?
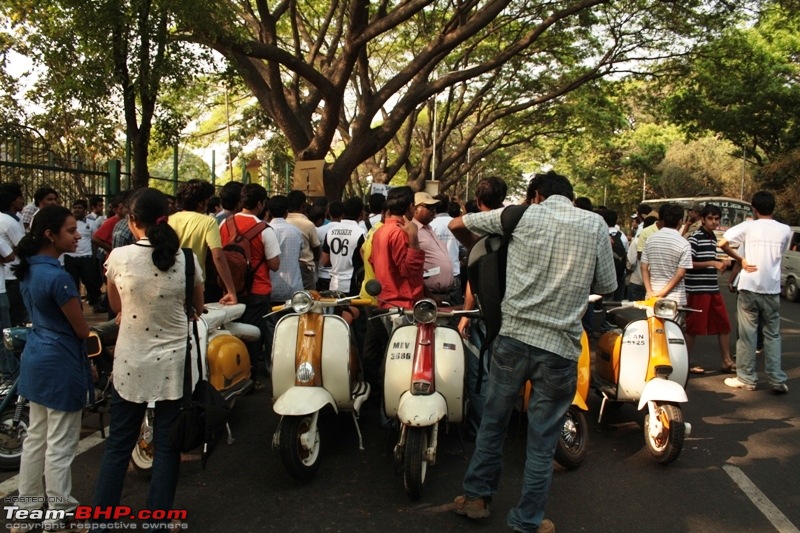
(204, 412)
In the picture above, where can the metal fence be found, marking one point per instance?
(33, 165)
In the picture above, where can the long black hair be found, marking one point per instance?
(48, 218)
(149, 208)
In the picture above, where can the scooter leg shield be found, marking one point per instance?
(418, 410)
(298, 401)
(662, 390)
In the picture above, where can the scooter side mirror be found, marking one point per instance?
(373, 287)
(93, 345)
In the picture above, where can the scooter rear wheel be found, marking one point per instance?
(415, 461)
(11, 439)
(573, 442)
(666, 446)
(301, 463)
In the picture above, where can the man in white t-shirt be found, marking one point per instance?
(317, 215)
(81, 264)
(342, 249)
(442, 232)
(9, 364)
(762, 243)
(11, 232)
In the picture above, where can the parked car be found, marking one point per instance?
(790, 268)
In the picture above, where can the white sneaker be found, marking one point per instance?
(780, 388)
(736, 384)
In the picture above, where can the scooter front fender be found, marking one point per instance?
(299, 401)
(663, 390)
(420, 411)
(579, 402)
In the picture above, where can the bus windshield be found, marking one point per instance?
(733, 211)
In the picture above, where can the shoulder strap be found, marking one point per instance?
(233, 230)
(510, 218)
(255, 230)
(187, 369)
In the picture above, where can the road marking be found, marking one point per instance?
(10, 485)
(760, 500)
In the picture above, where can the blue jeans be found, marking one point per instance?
(750, 308)
(126, 421)
(477, 331)
(554, 381)
(9, 364)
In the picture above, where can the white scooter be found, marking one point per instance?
(645, 362)
(423, 385)
(314, 366)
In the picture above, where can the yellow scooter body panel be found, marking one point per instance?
(228, 362)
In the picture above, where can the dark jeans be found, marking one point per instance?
(84, 269)
(256, 306)
(554, 380)
(126, 420)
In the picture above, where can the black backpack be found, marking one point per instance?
(486, 269)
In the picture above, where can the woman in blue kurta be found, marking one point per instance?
(55, 374)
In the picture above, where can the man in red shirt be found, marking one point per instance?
(398, 263)
(396, 255)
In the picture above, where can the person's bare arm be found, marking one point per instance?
(100, 243)
(114, 301)
(726, 247)
(672, 283)
(224, 272)
(645, 271)
(325, 259)
(72, 310)
(274, 263)
(461, 233)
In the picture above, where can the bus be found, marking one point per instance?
(733, 211)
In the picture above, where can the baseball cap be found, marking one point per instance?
(697, 206)
(424, 198)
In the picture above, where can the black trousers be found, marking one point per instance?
(16, 306)
(84, 269)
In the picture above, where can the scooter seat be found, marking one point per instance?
(219, 314)
(245, 332)
(625, 315)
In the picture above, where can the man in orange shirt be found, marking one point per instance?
(264, 257)
(398, 263)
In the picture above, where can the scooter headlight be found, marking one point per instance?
(302, 302)
(305, 373)
(666, 309)
(425, 311)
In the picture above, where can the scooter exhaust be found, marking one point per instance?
(687, 429)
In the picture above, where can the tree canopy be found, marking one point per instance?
(345, 80)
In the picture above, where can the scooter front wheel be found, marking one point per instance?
(666, 444)
(11, 438)
(415, 461)
(573, 442)
(301, 460)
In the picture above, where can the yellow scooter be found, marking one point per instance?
(645, 360)
(573, 442)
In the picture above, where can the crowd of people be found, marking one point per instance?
(414, 244)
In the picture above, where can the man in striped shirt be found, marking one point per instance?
(666, 258)
(702, 287)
